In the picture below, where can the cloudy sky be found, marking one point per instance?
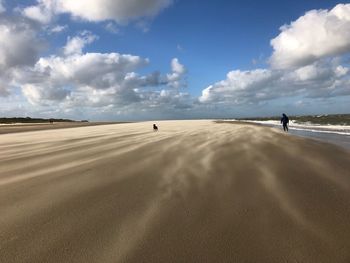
(173, 59)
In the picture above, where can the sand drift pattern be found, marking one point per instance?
(195, 191)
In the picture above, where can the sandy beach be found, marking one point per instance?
(25, 127)
(195, 191)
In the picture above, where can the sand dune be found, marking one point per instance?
(196, 191)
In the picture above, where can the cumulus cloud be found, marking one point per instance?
(313, 36)
(78, 79)
(175, 79)
(91, 79)
(43, 12)
(19, 45)
(53, 78)
(120, 11)
(36, 93)
(323, 79)
(241, 87)
(76, 44)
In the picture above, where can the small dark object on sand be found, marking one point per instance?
(155, 128)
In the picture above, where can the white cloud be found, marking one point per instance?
(175, 79)
(53, 76)
(58, 28)
(120, 11)
(43, 12)
(92, 79)
(19, 45)
(76, 44)
(79, 79)
(177, 67)
(322, 79)
(317, 34)
(241, 87)
(38, 14)
(36, 93)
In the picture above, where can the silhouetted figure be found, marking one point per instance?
(285, 121)
(155, 128)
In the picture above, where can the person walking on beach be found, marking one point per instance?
(285, 121)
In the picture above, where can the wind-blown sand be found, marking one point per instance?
(25, 127)
(196, 191)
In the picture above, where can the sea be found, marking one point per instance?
(336, 134)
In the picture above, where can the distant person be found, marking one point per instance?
(155, 128)
(285, 121)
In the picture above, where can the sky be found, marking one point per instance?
(111, 60)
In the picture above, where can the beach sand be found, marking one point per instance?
(25, 127)
(195, 191)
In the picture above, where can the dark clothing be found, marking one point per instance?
(285, 121)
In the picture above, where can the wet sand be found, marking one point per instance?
(196, 191)
(337, 139)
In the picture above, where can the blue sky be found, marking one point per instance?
(164, 59)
